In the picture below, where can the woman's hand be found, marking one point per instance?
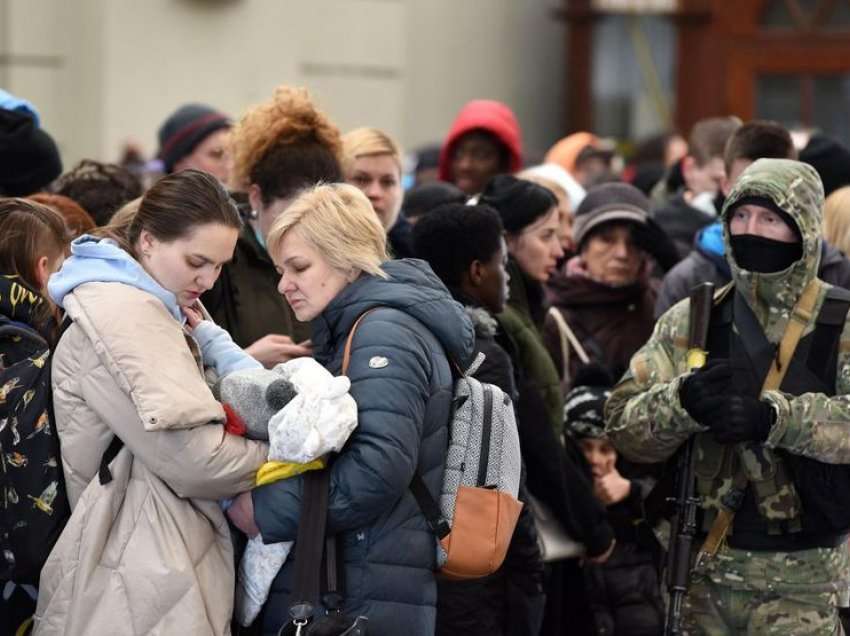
(274, 349)
(193, 315)
(241, 513)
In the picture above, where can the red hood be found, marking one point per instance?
(489, 115)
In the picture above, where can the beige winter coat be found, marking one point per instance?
(150, 552)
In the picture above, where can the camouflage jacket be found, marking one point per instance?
(644, 417)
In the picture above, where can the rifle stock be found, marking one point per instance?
(684, 523)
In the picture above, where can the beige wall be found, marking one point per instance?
(102, 71)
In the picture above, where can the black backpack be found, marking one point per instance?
(33, 503)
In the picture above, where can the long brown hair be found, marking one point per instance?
(28, 231)
(173, 207)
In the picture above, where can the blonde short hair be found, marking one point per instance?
(337, 220)
(362, 142)
(836, 219)
(553, 187)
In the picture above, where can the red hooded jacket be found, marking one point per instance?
(489, 115)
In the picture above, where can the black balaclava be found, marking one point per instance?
(764, 255)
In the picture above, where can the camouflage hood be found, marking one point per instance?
(797, 190)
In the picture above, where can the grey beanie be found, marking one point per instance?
(609, 202)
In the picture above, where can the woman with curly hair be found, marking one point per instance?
(279, 147)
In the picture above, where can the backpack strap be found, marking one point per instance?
(426, 502)
(103, 473)
(428, 505)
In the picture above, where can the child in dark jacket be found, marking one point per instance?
(623, 593)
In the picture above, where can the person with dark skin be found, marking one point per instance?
(484, 140)
(465, 248)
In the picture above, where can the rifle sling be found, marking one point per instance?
(801, 317)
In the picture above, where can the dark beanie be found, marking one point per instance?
(519, 202)
(831, 159)
(29, 159)
(584, 406)
(609, 202)
(188, 126)
(423, 198)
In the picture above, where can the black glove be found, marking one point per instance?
(697, 394)
(736, 418)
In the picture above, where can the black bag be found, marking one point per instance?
(33, 504)
(313, 573)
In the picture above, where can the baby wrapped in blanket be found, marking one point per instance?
(305, 413)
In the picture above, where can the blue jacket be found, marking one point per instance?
(401, 380)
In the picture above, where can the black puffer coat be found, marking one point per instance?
(402, 383)
(623, 594)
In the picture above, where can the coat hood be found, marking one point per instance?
(102, 261)
(489, 115)
(413, 288)
(796, 189)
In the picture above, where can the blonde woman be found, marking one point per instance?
(330, 250)
(836, 219)
(372, 162)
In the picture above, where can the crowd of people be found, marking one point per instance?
(127, 291)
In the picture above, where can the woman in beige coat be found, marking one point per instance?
(149, 551)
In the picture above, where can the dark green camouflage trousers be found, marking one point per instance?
(795, 593)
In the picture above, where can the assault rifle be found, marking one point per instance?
(683, 526)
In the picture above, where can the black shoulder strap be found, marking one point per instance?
(103, 473)
(429, 507)
(310, 543)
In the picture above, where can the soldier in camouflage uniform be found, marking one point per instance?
(783, 567)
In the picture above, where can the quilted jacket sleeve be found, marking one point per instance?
(375, 468)
(201, 462)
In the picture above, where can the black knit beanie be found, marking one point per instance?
(184, 129)
(584, 412)
(520, 203)
(831, 159)
(609, 202)
(29, 158)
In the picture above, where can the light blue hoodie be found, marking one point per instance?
(101, 260)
